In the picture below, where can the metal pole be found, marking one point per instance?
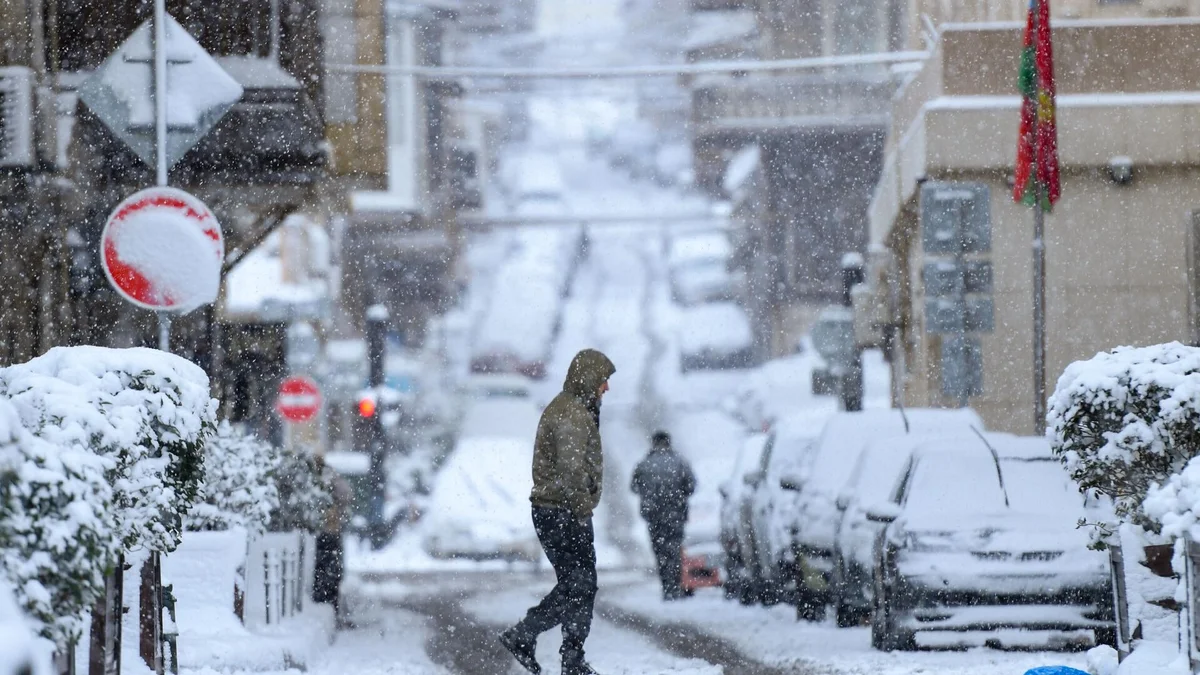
(1039, 313)
(160, 90)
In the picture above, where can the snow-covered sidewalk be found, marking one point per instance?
(773, 636)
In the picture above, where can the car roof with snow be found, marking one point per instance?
(699, 246)
(714, 324)
(501, 418)
(847, 434)
(958, 479)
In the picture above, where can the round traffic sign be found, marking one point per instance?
(299, 399)
(162, 249)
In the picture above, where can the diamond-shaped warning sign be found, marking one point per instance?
(199, 92)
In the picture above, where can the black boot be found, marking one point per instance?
(523, 648)
(573, 664)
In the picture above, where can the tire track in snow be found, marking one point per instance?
(689, 642)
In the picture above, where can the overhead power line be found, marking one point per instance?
(618, 72)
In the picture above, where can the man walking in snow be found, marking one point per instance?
(568, 469)
(664, 481)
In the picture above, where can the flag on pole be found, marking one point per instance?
(1037, 143)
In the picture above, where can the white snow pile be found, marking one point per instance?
(107, 446)
(239, 483)
(1125, 420)
(1175, 505)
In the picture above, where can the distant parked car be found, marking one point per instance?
(734, 494)
(842, 440)
(716, 336)
(767, 535)
(485, 386)
(977, 542)
(698, 264)
(479, 506)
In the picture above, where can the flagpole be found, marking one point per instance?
(1039, 313)
(1039, 259)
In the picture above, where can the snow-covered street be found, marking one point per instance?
(416, 614)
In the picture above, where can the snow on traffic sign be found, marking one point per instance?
(162, 249)
(121, 92)
(299, 399)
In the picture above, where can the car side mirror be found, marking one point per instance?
(790, 482)
(753, 478)
(883, 513)
(843, 501)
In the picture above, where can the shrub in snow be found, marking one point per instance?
(1175, 505)
(58, 528)
(304, 498)
(148, 411)
(239, 483)
(1126, 420)
(20, 654)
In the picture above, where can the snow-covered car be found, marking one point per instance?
(982, 537)
(735, 492)
(699, 282)
(842, 440)
(773, 505)
(716, 336)
(698, 264)
(874, 477)
(503, 385)
(479, 506)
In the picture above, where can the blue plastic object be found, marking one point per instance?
(1055, 670)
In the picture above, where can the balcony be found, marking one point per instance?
(762, 105)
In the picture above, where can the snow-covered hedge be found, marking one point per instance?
(148, 411)
(1126, 420)
(20, 652)
(58, 530)
(239, 483)
(303, 497)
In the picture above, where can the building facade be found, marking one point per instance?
(1121, 244)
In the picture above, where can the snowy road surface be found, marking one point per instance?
(418, 615)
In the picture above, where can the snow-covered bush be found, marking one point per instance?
(58, 528)
(239, 483)
(20, 653)
(304, 498)
(1126, 420)
(1175, 505)
(147, 411)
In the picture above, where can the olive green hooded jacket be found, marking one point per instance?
(568, 463)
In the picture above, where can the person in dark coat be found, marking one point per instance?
(664, 481)
(568, 470)
(330, 551)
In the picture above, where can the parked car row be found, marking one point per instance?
(918, 522)
(714, 331)
(524, 313)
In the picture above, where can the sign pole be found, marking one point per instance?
(150, 596)
(160, 91)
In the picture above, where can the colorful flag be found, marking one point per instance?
(1037, 143)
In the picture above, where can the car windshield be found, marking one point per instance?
(947, 486)
(1042, 486)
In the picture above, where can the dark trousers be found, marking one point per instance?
(571, 547)
(666, 537)
(327, 569)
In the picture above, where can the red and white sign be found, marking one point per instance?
(162, 249)
(299, 399)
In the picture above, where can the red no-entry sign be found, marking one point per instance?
(162, 249)
(299, 399)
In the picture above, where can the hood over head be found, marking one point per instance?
(589, 369)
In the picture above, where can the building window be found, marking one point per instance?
(857, 27)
